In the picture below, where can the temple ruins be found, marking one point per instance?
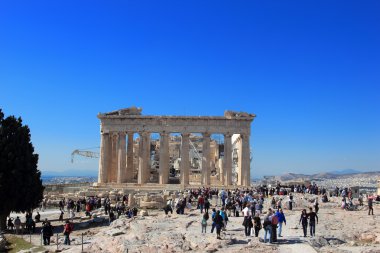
(183, 153)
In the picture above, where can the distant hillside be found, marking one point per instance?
(324, 175)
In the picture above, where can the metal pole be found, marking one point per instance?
(41, 238)
(57, 241)
(82, 242)
(30, 236)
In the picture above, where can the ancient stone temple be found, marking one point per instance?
(128, 160)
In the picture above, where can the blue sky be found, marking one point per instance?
(310, 70)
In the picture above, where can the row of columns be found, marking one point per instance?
(116, 160)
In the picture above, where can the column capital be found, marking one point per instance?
(164, 133)
(114, 134)
(144, 133)
(228, 135)
(206, 135)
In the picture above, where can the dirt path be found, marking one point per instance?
(292, 240)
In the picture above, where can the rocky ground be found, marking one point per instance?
(338, 231)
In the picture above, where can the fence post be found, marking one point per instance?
(82, 242)
(41, 238)
(57, 241)
(30, 236)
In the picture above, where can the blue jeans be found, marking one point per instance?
(213, 227)
(268, 231)
(279, 228)
(312, 228)
(67, 239)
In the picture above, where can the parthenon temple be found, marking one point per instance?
(138, 149)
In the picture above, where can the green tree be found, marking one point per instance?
(21, 187)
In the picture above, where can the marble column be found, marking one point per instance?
(104, 158)
(185, 159)
(147, 166)
(240, 172)
(164, 159)
(227, 161)
(144, 158)
(222, 172)
(112, 171)
(129, 171)
(121, 158)
(206, 159)
(245, 159)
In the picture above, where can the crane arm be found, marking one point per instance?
(84, 153)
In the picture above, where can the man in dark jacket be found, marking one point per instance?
(47, 232)
(312, 217)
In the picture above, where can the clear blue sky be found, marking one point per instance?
(310, 70)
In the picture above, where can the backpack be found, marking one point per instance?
(69, 228)
(274, 220)
(266, 223)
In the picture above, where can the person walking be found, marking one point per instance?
(290, 201)
(303, 220)
(274, 220)
(207, 205)
(247, 223)
(316, 205)
(267, 225)
(17, 224)
(370, 205)
(213, 220)
(201, 203)
(360, 199)
(204, 222)
(60, 216)
(47, 232)
(312, 218)
(218, 224)
(281, 219)
(10, 224)
(67, 229)
(257, 223)
(223, 213)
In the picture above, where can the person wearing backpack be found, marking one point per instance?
(225, 218)
(218, 224)
(267, 225)
(213, 220)
(274, 221)
(67, 229)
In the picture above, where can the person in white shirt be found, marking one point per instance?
(247, 223)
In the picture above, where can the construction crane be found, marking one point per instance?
(85, 153)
